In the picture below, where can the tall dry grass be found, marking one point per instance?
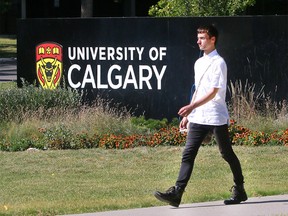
(32, 117)
(251, 107)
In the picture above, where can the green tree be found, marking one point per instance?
(4, 5)
(173, 8)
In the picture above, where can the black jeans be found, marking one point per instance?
(195, 137)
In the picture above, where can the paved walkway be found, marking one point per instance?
(8, 69)
(258, 206)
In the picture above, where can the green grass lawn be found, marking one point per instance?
(8, 46)
(69, 181)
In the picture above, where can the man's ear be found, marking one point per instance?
(213, 39)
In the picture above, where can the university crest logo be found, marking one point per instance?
(49, 64)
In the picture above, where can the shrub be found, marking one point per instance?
(244, 136)
(164, 136)
(31, 117)
(17, 104)
(19, 137)
(167, 136)
(153, 124)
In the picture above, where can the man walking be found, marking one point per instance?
(207, 112)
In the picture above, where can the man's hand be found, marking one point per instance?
(186, 110)
(183, 124)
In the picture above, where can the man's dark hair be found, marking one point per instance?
(210, 30)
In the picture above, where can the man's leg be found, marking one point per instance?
(194, 139)
(225, 146)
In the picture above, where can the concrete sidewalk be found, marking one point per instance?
(257, 206)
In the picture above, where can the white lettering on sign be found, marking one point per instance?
(133, 74)
(157, 54)
(105, 53)
(114, 79)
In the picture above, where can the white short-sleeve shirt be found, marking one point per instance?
(210, 72)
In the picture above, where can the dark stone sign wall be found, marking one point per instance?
(147, 64)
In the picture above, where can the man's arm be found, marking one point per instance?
(186, 110)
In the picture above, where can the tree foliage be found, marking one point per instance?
(4, 5)
(174, 8)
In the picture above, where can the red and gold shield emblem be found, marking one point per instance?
(49, 64)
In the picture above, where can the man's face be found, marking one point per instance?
(205, 43)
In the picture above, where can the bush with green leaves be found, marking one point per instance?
(142, 122)
(16, 104)
(177, 8)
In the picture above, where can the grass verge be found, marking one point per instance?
(8, 46)
(70, 181)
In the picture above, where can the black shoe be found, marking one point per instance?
(238, 195)
(172, 196)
